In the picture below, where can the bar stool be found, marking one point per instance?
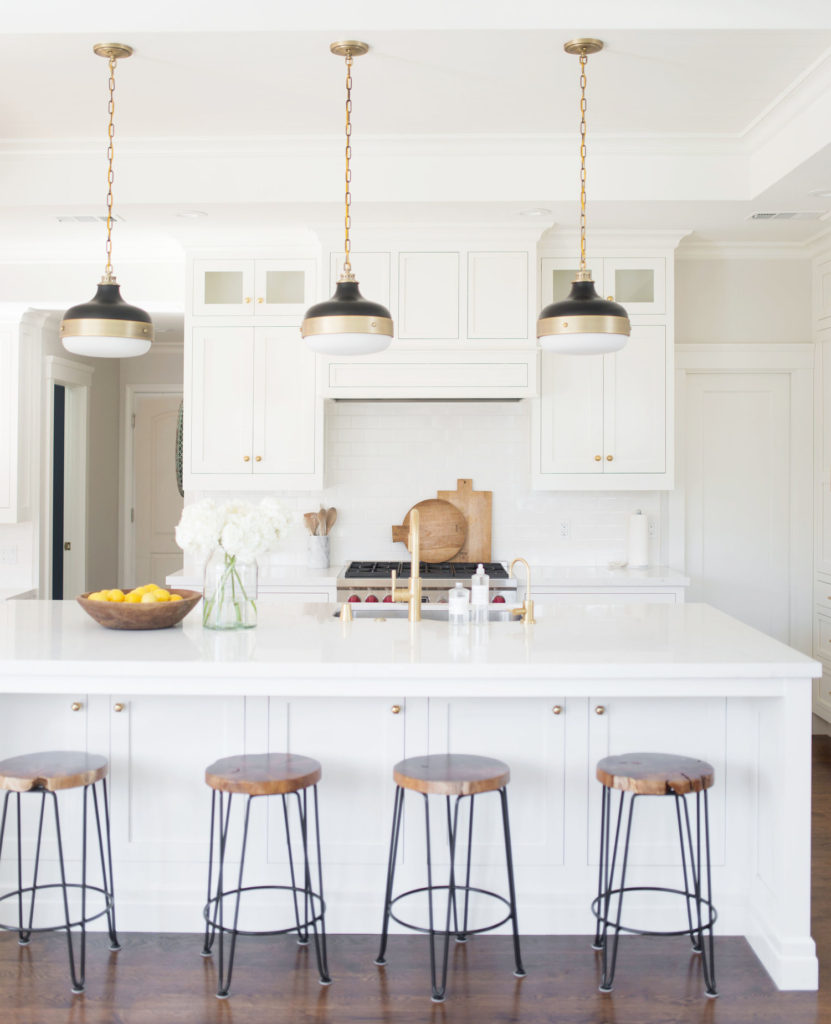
(257, 775)
(46, 773)
(448, 775)
(656, 775)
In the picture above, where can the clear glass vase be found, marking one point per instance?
(229, 598)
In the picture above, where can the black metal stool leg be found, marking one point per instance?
(24, 937)
(210, 930)
(224, 983)
(695, 937)
(302, 930)
(462, 936)
(519, 970)
(319, 936)
(77, 981)
(609, 964)
(438, 991)
(397, 814)
(708, 962)
(106, 862)
(707, 951)
(603, 859)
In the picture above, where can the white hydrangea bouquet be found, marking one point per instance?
(229, 538)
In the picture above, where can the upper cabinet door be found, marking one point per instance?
(223, 288)
(372, 271)
(635, 404)
(286, 419)
(570, 414)
(283, 287)
(639, 285)
(428, 296)
(221, 396)
(497, 295)
(557, 273)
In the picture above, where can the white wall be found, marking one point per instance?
(383, 457)
(719, 301)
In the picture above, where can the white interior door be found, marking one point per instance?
(738, 483)
(157, 503)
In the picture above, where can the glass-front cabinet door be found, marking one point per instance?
(282, 288)
(637, 284)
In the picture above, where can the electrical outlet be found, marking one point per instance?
(565, 527)
(8, 554)
(652, 527)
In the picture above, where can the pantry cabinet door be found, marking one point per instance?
(571, 414)
(221, 396)
(635, 404)
(286, 428)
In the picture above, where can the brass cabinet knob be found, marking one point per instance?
(600, 710)
(557, 709)
(246, 458)
(76, 705)
(118, 707)
(260, 300)
(609, 458)
(258, 458)
(598, 458)
(396, 709)
(247, 298)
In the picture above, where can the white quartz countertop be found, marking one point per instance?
(592, 576)
(53, 646)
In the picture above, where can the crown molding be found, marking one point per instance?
(743, 251)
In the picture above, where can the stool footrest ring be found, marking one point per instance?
(595, 909)
(308, 923)
(108, 906)
(456, 889)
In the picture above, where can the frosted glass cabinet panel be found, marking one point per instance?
(638, 284)
(281, 288)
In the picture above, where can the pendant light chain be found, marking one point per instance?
(108, 272)
(347, 219)
(583, 61)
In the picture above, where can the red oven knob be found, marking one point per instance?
(371, 599)
(353, 597)
(388, 599)
(499, 599)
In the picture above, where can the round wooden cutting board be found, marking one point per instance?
(442, 532)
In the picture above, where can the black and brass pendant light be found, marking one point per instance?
(347, 324)
(584, 323)
(107, 325)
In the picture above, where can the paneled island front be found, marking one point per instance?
(550, 699)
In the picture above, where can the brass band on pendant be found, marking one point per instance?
(93, 327)
(347, 325)
(583, 325)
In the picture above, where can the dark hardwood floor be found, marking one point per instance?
(163, 979)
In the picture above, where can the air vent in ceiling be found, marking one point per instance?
(87, 219)
(789, 215)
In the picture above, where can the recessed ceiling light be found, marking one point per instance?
(823, 193)
(536, 211)
(191, 214)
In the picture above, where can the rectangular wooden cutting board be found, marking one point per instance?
(476, 506)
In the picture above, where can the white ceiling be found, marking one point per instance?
(463, 112)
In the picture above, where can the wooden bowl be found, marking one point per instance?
(119, 615)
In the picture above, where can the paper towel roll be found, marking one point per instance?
(638, 540)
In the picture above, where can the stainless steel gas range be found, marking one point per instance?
(370, 581)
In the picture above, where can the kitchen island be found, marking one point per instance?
(550, 699)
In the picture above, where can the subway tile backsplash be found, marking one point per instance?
(383, 457)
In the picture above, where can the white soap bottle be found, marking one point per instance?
(457, 604)
(479, 595)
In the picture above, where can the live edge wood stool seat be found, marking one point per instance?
(255, 775)
(463, 776)
(648, 774)
(47, 773)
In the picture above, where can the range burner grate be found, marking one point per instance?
(367, 570)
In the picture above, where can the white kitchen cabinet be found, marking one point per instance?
(278, 288)
(16, 395)
(253, 418)
(638, 283)
(604, 421)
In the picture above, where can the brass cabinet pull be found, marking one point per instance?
(396, 709)
(118, 707)
(258, 458)
(557, 709)
(246, 458)
(598, 458)
(76, 705)
(600, 710)
(609, 458)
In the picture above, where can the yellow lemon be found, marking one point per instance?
(133, 598)
(152, 586)
(175, 597)
(98, 595)
(149, 598)
(161, 594)
(115, 595)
